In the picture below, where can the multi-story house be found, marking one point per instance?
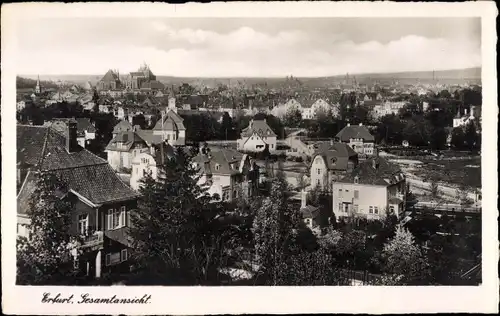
(358, 137)
(170, 127)
(311, 110)
(227, 173)
(330, 162)
(102, 202)
(256, 137)
(147, 162)
(372, 189)
(123, 148)
(122, 126)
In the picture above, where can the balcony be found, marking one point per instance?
(92, 239)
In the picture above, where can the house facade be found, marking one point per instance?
(147, 162)
(227, 173)
(171, 127)
(123, 148)
(101, 201)
(358, 137)
(372, 189)
(330, 163)
(257, 137)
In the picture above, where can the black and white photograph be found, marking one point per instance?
(248, 151)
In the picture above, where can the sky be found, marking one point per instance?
(249, 47)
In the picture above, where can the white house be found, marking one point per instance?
(330, 162)
(256, 137)
(227, 173)
(147, 162)
(320, 105)
(123, 148)
(373, 188)
(463, 120)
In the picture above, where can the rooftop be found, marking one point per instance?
(355, 132)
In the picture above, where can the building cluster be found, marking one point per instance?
(346, 166)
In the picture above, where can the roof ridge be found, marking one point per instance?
(44, 147)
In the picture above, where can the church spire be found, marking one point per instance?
(38, 88)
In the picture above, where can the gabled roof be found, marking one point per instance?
(336, 155)
(148, 136)
(122, 126)
(355, 131)
(170, 121)
(218, 160)
(110, 76)
(126, 139)
(258, 126)
(384, 173)
(43, 149)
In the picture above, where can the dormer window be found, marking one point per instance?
(217, 167)
(356, 179)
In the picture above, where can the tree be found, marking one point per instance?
(226, 127)
(95, 99)
(403, 259)
(45, 258)
(293, 117)
(458, 138)
(273, 229)
(471, 136)
(139, 120)
(174, 230)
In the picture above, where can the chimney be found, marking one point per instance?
(303, 199)
(71, 141)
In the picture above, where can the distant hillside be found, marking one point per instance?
(468, 74)
(28, 83)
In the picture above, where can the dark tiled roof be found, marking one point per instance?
(90, 176)
(149, 137)
(153, 85)
(110, 76)
(224, 161)
(82, 124)
(122, 126)
(127, 139)
(45, 148)
(171, 121)
(336, 155)
(258, 126)
(355, 131)
(385, 173)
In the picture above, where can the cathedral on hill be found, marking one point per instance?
(143, 79)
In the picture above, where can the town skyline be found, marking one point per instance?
(257, 47)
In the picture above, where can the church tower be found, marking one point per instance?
(38, 88)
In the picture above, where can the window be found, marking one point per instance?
(272, 145)
(319, 171)
(235, 194)
(356, 180)
(356, 194)
(370, 210)
(391, 208)
(113, 258)
(123, 216)
(113, 219)
(83, 223)
(168, 136)
(340, 207)
(317, 181)
(355, 208)
(124, 255)
(376, 210)
(217, 166)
